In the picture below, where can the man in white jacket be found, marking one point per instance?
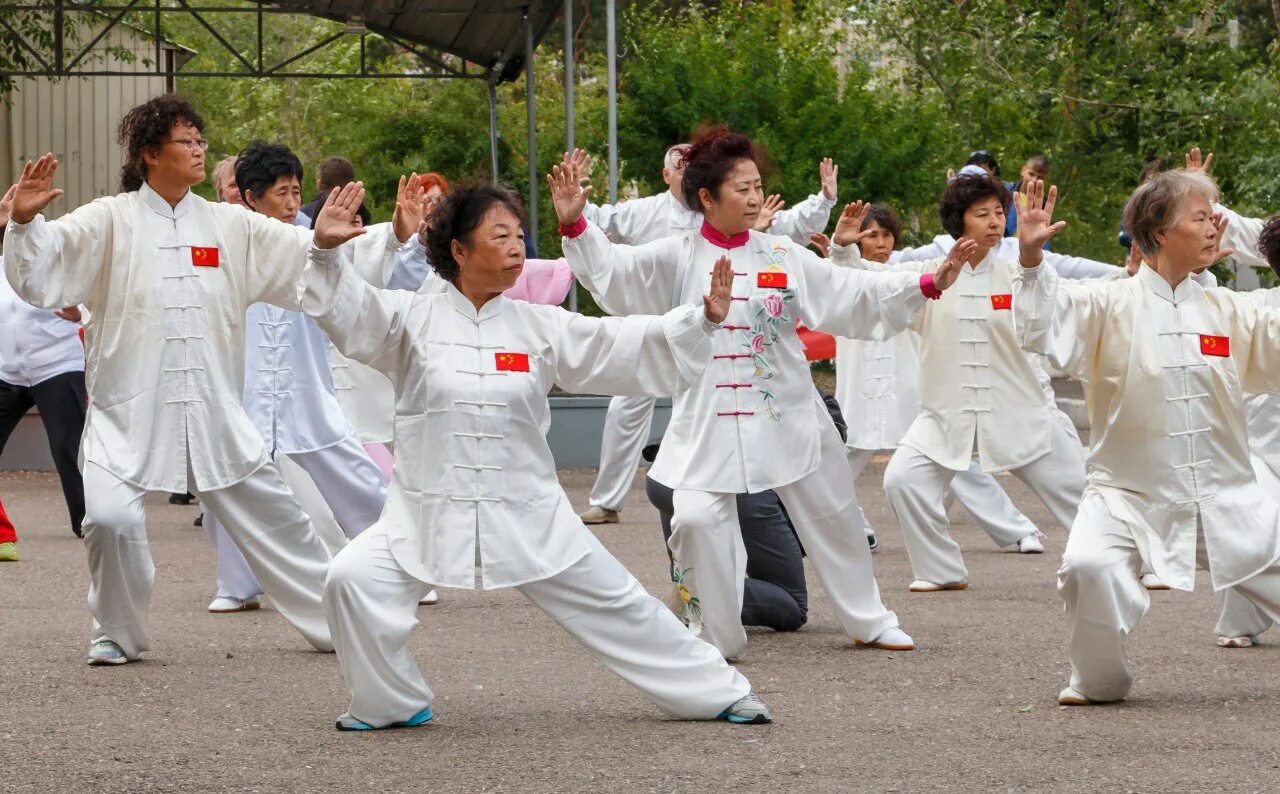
(643, 220)
(167, 277)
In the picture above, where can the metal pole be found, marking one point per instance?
(612, 56)
(568, 75)
(533, 132)
(493, 128)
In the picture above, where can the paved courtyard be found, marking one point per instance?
(240, 703)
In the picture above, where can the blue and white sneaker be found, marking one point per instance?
(349, 723)
(106, 652)
(750, 710)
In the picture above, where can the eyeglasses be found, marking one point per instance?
(193, 143)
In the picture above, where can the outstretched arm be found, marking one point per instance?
(53, 264)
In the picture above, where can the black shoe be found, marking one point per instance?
(873, 542)
(181, 498)
(199, 522)
(79, 533)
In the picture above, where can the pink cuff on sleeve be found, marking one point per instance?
(928, 288)
(574, 229)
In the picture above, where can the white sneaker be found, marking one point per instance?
(894, 639)
(225, 604)
(1031, 544)
(1153, 582)
(599, 515)
(1243, 641)
(430, 599)
(921, 586)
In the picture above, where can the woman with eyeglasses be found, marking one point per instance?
(167, 278)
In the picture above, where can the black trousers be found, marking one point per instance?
(775, 595)
(62, 403)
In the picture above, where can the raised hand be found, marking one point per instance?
(821, 242)
(769, 209)
(410, 208)
(568, 188)
(1035, 220)
(578, 159)
(849, 224)
(35, 188)
(1220, 223)
(71, 314)
(961, 254)
(827, 174)
(336, 222)
(1196, 163)
(716, 305)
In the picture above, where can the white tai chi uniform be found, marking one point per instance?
(629, 419)
(1171, 484)
(877, 386)
(978, 393)
(753, 421)
(167, 289)
(475, 485)
(288, 394)
(289, 397)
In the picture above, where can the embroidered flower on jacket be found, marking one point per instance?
(757, 344)
(773, 305)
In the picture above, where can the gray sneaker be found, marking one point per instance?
(750, 710)
(106, 652)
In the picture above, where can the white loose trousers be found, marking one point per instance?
(339, 487)
(1104, 600)
(262, 518)
(915, 486)
(626, 431)
(979, 493)
(371, 603)
(707, 545)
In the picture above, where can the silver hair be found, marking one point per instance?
(226, 164)
(1157, 205)
(671, 160)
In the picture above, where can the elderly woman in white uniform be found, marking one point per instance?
(877, 386)
(475, 480)
(753, 422)
(1166, 364)
(979, 393)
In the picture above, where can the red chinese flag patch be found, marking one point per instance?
(772, 279)
(204, 257)
(1215, 345)
(1002, 302)
(511, 362)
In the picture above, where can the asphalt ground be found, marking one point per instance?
(240, 702)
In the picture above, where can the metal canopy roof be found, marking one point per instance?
(489, 33)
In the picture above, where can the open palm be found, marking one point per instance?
(35, 188)
(1035, 215)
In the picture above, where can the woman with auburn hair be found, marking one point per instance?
(1165, 364)
(753, 421)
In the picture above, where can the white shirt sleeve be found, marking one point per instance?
(625, 279)
(52, 264)
(638, 355)
(804, 219)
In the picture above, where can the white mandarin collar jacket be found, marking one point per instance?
(472, 462)
(752, 421)
(978, 390)
(166, 335)
(1165, 372)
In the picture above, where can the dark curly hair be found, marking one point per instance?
(709, 159)
(962, 193)
(260, 164)
(146, 127)
(1269, 243)
(884, 215)
(460, 214)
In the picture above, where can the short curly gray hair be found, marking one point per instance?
(1157, 205)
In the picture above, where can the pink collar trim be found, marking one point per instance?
(716, 238)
